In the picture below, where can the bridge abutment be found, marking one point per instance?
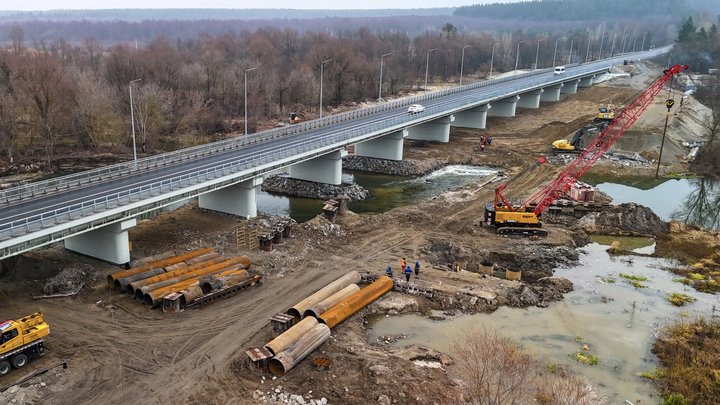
(551, 93)
(109, 243)
(586, 82)
(472, 118)
(570, 87)
(238, 199)
(322, 169)
(388, 147)
(531, 99)
(504, 108)
(437, 130)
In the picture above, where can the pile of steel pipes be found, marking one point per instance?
(319, 312)
(183, 278)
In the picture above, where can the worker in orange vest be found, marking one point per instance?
(403, 264)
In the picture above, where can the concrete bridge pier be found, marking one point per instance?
(531, 99)
(570, 87)
(238, 199)
(322, 169)
(586, 82)
(551, 93)
(472, 118)
(388, 147)
(109, 243)
(504, 108)
(437, 130)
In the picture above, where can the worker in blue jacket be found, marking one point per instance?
(417, 268)
(408, 272)
(388, 272)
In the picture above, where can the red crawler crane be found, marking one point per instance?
(524, 219)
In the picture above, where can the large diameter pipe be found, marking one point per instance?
(135, 285)
(291, 335)
(153, 258)
(195, 291)
(297, 311)
(154, 298)
(214, 283)
(196, 260)
(200, 271)
(329, 302)
(346, 308)
(287, 359)
(156, 264)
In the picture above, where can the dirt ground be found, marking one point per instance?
(119, 351)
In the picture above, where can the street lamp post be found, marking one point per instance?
(492, 58)
(132, 122)
(246, 120)
(587, 52)
(612, 46)
(381, 72)
(642, 47)
(602, 41)
(462, 62)
(572, 42)
(322, 65)
(634, 41)
(555, 52)
(427, 65)
(537, 51)
(517, 56)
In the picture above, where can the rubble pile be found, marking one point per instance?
(70, 280)
(406, 168)
(627, 219)
(309, 189)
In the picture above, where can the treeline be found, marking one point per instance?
(77, 96)
(588, 10)
(699, 45)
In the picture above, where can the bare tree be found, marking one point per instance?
(97, 115)
(151, 105)
(566, 389)
(495, 369)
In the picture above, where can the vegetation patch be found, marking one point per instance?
(680, 299)
(586, 358)
(653, 374)
(634, 280)
(608, 280)
(689, 353)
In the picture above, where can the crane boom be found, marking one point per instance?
(623, 121)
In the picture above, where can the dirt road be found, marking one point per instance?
(121, 352)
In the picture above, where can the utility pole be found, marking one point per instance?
(132, 122)
(572, 41)
(427, 65)
(537, 51)
(517, 56)
(381, 72)
(322, 64)
(602, 41)
(492, 57)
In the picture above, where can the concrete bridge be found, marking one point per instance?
(92, 211)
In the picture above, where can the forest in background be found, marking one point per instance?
(60, 96)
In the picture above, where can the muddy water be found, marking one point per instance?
(695, 201)
(616, 320)
(387, 191)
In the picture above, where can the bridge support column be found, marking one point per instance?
(531, 99)
(472, 118)
(322, 169)
(551, 93)
(238, 199)
(388, 147)
(504, 108)
(109, 243)
(437, 130)
(586, 82)
(570, 87)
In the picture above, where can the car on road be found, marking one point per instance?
(416, 108)
(559, 70)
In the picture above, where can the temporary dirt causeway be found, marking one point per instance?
(119, 351)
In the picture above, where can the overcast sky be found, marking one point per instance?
(32, 5)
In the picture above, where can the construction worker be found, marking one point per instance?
(408, 272)
(403, 263)
(388, 272)
(417, 269)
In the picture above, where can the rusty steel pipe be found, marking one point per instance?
(297, 311)
(200, 271)
(329, 302)
(156, 264)
(213, 283)
(290, 336)
(153, 258)
(298, 350)
(135, 285)
(347, 307)
(189, 295)
(154, 297)
(122, 283)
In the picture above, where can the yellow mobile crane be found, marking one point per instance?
(21, 340)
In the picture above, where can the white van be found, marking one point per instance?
(559, 70)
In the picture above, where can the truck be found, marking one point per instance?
(22, 340)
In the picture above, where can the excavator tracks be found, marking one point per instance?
(522, 231)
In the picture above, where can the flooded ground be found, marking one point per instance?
(617, 321)
(387, 192)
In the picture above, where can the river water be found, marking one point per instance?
(616, 320)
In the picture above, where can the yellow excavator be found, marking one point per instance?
(606, 113)
(21, 340)
(575, 144)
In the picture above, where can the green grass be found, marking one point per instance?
(695, 276)
(653, 374)
(683, 280)
(608, 280)
(586, 358)
(680, 299)
(625, 243)
(552, 368)
(635, 281)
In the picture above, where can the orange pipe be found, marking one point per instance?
(350, 305)
(298, 309)
(200, 271)
(154, 298)
(156, 264)
(329, 302)
(291, 335)
(132, 287)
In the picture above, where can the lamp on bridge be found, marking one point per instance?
(462, 62)
(517, 56)
(537, 51)
(246, 72)
(381, 72)
(492, 58)
(322, 64)
(132, 121)
(427, 64)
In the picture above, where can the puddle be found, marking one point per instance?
(617, 321)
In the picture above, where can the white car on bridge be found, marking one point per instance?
(416, 108)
